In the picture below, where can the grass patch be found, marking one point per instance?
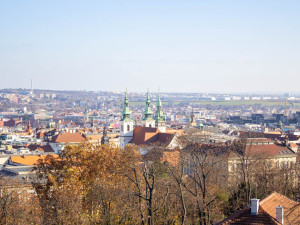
(227, 103)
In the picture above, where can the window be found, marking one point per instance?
(121, 127)
(233, 167)
(128, 127)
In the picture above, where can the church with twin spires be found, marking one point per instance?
(152, 130)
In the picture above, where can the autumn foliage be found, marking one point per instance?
(100, 184)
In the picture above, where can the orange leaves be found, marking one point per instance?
(90, 177)
(86, 162)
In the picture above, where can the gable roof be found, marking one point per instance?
(268, 150)
(162, 155)
(259, 140)
(290, 137)
(44, 148)
(149, 135)
(245, 217)
(97, 137)
(271, 149)
(143, 134)
(293, 145)
(161, 139)
(172, 131)
(68, 138)
(12, 123)
(40, 134)
(267, 212)
(28, 160)
(291, 208)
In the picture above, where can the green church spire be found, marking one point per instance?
(158, 113)
(126, 112)
(85, 109)
(86, 113)
(148, 112)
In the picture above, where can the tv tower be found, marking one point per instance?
(31, 91)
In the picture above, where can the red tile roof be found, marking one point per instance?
(291, 208)
(259, 140)
(142, 134)
(245, 217)
(149, 135)
(28, 160)
(268, 150)
(267, 212)
(40, 134)
(293, 145)
(172, 157)
(44, 148)
(158, 154)
(68, 138)
(12, 123)
(271, 149)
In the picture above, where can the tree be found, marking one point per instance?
(204, 165)
(18, 205)
(86, 185)
(152, 191)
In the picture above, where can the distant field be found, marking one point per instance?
(229, 103)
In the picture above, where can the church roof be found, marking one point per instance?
(142, 134)
(149, 135)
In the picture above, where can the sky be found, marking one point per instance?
(225, 46)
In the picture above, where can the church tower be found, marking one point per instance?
(29, 129)
(126, 125)
(104, 139)
(93, 120)
(86, 114)
(148, 121)
(193, 122)
(159, 117)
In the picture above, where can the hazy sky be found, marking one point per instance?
(181, 46)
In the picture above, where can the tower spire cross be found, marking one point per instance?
(148, 113)
(126, 112)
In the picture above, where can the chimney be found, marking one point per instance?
(254, 206)
(286, 140)
(279, 214)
